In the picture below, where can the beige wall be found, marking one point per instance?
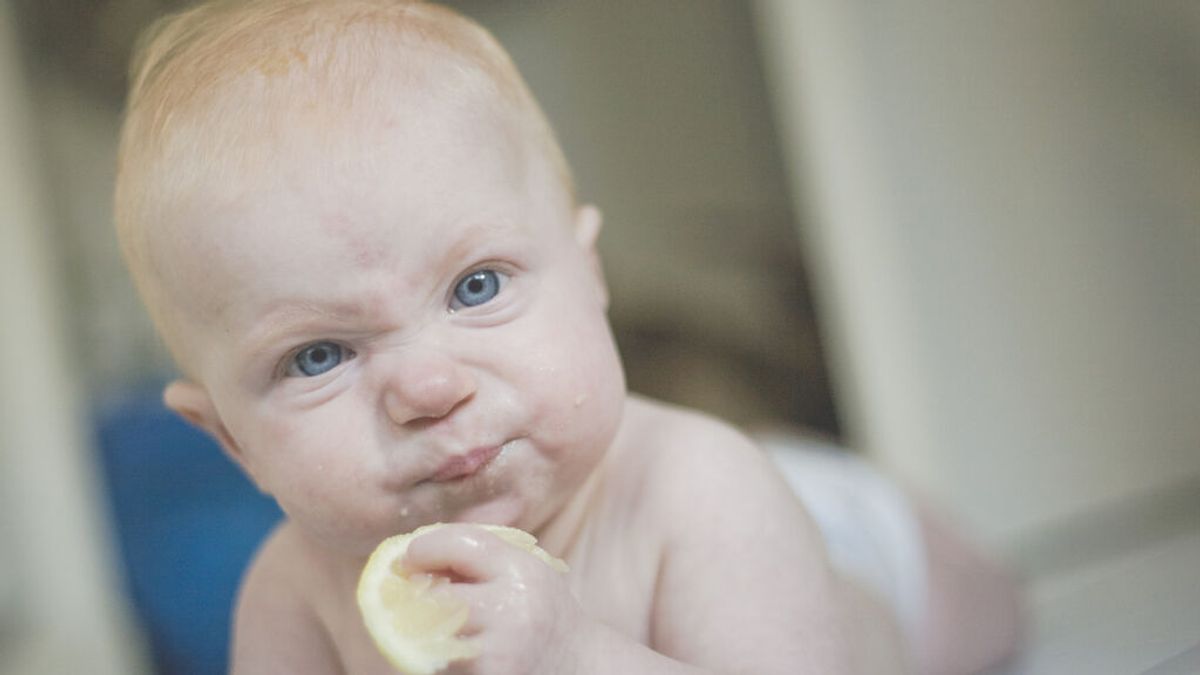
(1006, 236)
(59, 609)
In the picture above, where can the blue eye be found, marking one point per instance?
(477, 288)
(317, 358)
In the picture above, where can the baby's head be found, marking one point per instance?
(354, 229)
(226, 97)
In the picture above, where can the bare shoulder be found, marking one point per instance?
(276, 628)
(277, 570)
(710, 481)
(679, 434)
(734, 536)
(699, 464)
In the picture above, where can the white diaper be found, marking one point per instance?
(868, 524)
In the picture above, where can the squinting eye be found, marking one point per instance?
(317, 358)
(476, 288)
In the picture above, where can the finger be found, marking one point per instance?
(487, 604)
(462, 552)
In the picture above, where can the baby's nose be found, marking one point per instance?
(425, 385)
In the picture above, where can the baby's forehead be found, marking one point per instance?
(224, 115)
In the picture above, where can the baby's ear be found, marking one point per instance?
(192, 402)
(588, 221)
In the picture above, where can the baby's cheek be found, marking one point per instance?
(304, 449)
(593, 394)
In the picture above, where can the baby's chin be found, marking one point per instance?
(337, 540)
(503, 510)
(360, 541)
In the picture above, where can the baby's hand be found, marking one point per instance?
(523, 617)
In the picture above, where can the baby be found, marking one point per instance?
(355, 231)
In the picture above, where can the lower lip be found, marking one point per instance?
(469, 465)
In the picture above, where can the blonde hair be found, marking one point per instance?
(209, 83)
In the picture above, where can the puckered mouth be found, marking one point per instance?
(457, 467)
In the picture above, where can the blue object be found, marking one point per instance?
(188, 522)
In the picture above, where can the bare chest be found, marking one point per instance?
(613, 578)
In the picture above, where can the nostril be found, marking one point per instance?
(440, 395)
(414, 399)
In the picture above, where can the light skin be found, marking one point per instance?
(424, 339)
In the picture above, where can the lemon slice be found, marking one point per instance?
(414, 626)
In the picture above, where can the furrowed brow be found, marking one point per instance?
(292, 318)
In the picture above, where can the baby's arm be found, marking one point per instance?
(745, 585)
(275, 631)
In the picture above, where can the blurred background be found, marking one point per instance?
(962, 239)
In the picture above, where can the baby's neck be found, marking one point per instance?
(559, 534)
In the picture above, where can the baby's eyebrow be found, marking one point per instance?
(470, 237)
(288, 318)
